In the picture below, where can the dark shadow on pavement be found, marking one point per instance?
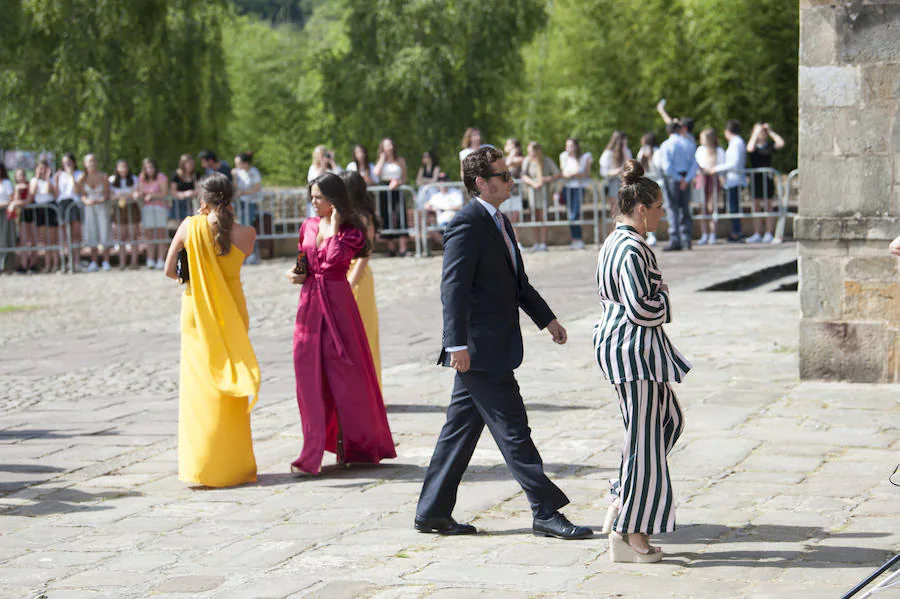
(392, 471)
(429, 409)
(67, 501)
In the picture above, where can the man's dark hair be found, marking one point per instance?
(673, 127)
(478, 164)
(688, 123)
(207, 155)
(733, 126)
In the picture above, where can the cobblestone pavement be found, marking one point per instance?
(782, 485)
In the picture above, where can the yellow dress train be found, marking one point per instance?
(364, 293)
(219, 370)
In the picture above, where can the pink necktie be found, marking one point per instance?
(509, 246)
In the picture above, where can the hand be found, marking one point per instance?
(558, 332)
(394, 184)
(895, 247)
(295, 278)
(460, 360)
(683, 185)
(663, 287)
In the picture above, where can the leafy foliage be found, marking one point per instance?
(130, 78)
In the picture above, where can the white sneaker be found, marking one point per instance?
(712, 239)
(92, 267)
(160, 264)
(703, 239)
(651, 239)
(755, 238)
(576, 244)
(539, 247)
(767, 238)
(106, 266)
(151, 263)
(252, 259)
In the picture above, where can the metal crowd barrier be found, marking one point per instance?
(395, 218)
(31, 219)
(749, 193)
(555, 213)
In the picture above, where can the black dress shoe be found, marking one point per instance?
(558, 526)
(672, 248)
(444, 526)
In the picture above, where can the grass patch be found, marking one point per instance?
(13, 308)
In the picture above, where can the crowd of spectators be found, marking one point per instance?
(91, 208)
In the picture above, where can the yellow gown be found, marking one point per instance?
(219, 370)
(364, 293)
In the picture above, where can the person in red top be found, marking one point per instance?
(341, 407)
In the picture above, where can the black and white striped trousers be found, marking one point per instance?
(653, 423)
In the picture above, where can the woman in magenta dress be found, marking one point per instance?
(341, 408)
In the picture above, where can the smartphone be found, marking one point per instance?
(300, 267)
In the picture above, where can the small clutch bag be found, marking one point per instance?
(181, 267)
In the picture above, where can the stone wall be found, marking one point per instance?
(849, 162)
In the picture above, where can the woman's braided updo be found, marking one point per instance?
(217, 192)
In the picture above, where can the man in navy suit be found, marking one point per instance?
(482, 288)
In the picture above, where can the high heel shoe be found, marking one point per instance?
(622, 553)
(611, 514)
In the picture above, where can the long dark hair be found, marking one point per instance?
(117, 178)
(216, 191)
(363, 202)
(4, 174)
(364, 167)
(334, 190)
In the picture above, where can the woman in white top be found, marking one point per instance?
(248, 185)
(69, 200)
(42, 196)
(471, 141)
(391, 207)
(612, 160)
(7, 216)
(648, 156)
(94, 186)
(709, 154)
(322, 161)
(361, 165)
(126, 214)
(575, 167)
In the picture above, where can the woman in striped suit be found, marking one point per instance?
(636, 356)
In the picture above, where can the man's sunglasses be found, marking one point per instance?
(507, 177)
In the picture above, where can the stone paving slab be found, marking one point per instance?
(781, 485)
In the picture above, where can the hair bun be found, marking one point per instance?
(632, 172)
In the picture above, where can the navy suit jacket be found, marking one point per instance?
(482, 291)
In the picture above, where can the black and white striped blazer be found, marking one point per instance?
(629, 340)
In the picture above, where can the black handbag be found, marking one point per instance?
(181, 267)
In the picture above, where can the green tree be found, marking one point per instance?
(421, 72)
(125, 78)
(601, 65)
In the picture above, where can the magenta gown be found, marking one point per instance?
(337, 388)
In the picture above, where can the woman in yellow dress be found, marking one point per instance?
(219, 371)
(360, 275)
